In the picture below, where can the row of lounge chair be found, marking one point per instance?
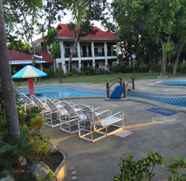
(91, 123)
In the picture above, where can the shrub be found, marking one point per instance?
(40, 146)
(29, 115)
(36, 122)
(124, 68)
(73, 72)
(177, 169)
(10, 152)
(58, 73)
(140, 170)
(155, 68)
(181, 68)
(102, 71)
(88, 71)
(140, 68)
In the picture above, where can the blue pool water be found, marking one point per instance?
(60, 91)
(173, 82)
(168, 99)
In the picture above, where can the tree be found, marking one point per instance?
(84, 11)
(130, 17)
(22, 18)
(160, 23)
(17, 44)
(6, 82)
(179, 35)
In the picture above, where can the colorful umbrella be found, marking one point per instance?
(29, 72)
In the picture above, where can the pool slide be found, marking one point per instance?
(117, 92)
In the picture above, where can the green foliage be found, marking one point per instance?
(36, 122)
(19, 45)
(40, 146)
(160, 24)
(51, 35)
(178, 170)
(168, 47)
(10, 152)
(140, 170)
(22, 17)
(125, 68)
(84, 11)
(55, 49)
(31, 145)
(30, 117)
(88, 71)
(182, 68)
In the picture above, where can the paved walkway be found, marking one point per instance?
(100, 161)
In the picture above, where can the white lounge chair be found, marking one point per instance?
(49, 111)
(70, 123)
(27, 102)
(99, 126)
(77, 114)
(55, 120)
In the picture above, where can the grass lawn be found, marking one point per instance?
(94, 78)
(108, 77)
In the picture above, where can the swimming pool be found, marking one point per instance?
(61, 91)
(168, 99)
(173, 82)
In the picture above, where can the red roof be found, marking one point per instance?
(96, 34)
(21, 56)
(17, 55)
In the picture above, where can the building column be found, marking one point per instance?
(93, 55)
(105, 53)
(62, 51)
(79, 56)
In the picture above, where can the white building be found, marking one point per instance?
(95, 49)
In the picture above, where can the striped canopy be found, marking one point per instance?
(29, 71)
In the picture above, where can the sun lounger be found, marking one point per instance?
(100, 125)
(25, 100)
(49, 111)
(77, 113)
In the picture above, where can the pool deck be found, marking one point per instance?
(100, 161)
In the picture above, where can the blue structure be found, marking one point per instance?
(117, 92)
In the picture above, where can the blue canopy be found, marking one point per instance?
(29, 71)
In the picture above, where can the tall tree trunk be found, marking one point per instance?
(176, 64)
(178, 53)
(7, 86)
(163, 61)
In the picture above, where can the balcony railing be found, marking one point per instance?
(99, 54)
(67, 55)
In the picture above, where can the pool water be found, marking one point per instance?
(173, 82)
(60, 92)
(168, 99)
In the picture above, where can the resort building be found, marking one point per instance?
(94, 50)
(19, 59)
